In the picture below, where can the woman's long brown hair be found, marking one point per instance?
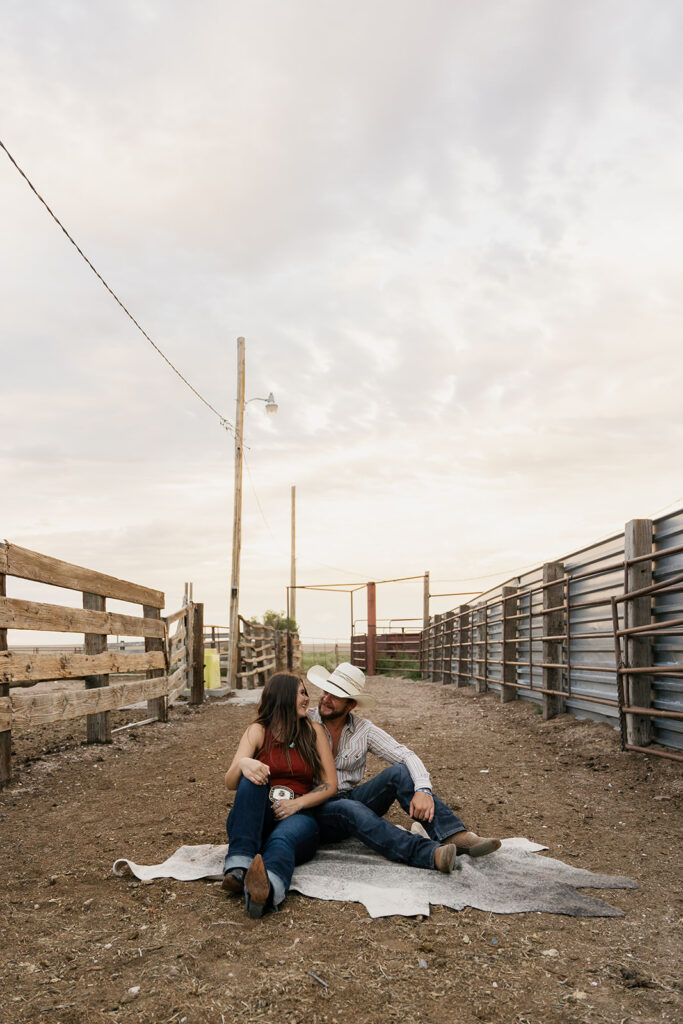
(277, 714)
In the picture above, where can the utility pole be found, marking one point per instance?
(292, 574)
(233, 649)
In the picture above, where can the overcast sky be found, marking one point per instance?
(451, 233)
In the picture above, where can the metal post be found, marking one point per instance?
(233, 649)
(510, 608)
(553, 625)
(638, 537)
(290, 651)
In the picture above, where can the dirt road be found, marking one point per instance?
(80, 945)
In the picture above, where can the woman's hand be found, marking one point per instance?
(256, 771)
(284, 808)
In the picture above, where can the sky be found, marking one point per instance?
(451, 234)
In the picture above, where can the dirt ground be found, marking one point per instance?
(81, 945)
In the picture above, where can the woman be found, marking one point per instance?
(270, 834)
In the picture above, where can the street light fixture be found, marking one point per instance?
(271, 404)
(271, 407)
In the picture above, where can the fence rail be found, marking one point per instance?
(258, 653)
(170, 661)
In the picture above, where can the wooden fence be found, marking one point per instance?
(261, 653)
(170, 661)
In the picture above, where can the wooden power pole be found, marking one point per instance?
(233, 649)
(292, 574)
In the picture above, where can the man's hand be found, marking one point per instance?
(284, 808)
(422, 807)
(256, 771)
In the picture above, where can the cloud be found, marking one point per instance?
(450, 233)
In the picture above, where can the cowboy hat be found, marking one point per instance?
(346, 680)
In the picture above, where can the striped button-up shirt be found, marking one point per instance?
(360, 736)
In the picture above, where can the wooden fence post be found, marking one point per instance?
(554, 624)
(638, 612)
(424, 635)
(463, 649)
(196, 653)
(98, 726)
(510, 607)
(5, 735)
(372, 629)
(157, 707)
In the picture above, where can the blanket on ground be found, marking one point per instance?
(510, 881)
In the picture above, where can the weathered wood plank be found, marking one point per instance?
(170, 619)
(255, 671)
(196, 655)
(177, 655)
(178, 683)
(17, 614)
(5, 716)
(30, 709)
(156, 706)
(177, 637)
(16, 667)
(98, 728)
(30, 565)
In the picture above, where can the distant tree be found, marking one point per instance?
(277, 620)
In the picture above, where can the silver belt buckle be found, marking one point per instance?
(280, 793)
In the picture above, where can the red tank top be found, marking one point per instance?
(297, 774)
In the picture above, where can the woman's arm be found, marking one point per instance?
(244, 763)
(327, 786)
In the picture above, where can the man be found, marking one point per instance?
(358, 808)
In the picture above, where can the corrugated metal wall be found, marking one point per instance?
(453, 649)
(668, 650)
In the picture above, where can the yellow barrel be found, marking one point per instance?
(212, 669)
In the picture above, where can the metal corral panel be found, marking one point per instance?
(668, 650)
(494, 616)
(530, 601)
(592, 662)
(580, 658)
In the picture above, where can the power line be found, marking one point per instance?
(251, 481)
(223, 421)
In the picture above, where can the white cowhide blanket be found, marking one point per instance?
(512, 880)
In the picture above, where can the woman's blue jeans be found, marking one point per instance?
(252, 828)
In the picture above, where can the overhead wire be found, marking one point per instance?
(251, 481)
(222, 419)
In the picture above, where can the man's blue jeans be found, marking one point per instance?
(359, 812)
(252, 828)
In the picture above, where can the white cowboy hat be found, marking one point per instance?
(346, 680)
